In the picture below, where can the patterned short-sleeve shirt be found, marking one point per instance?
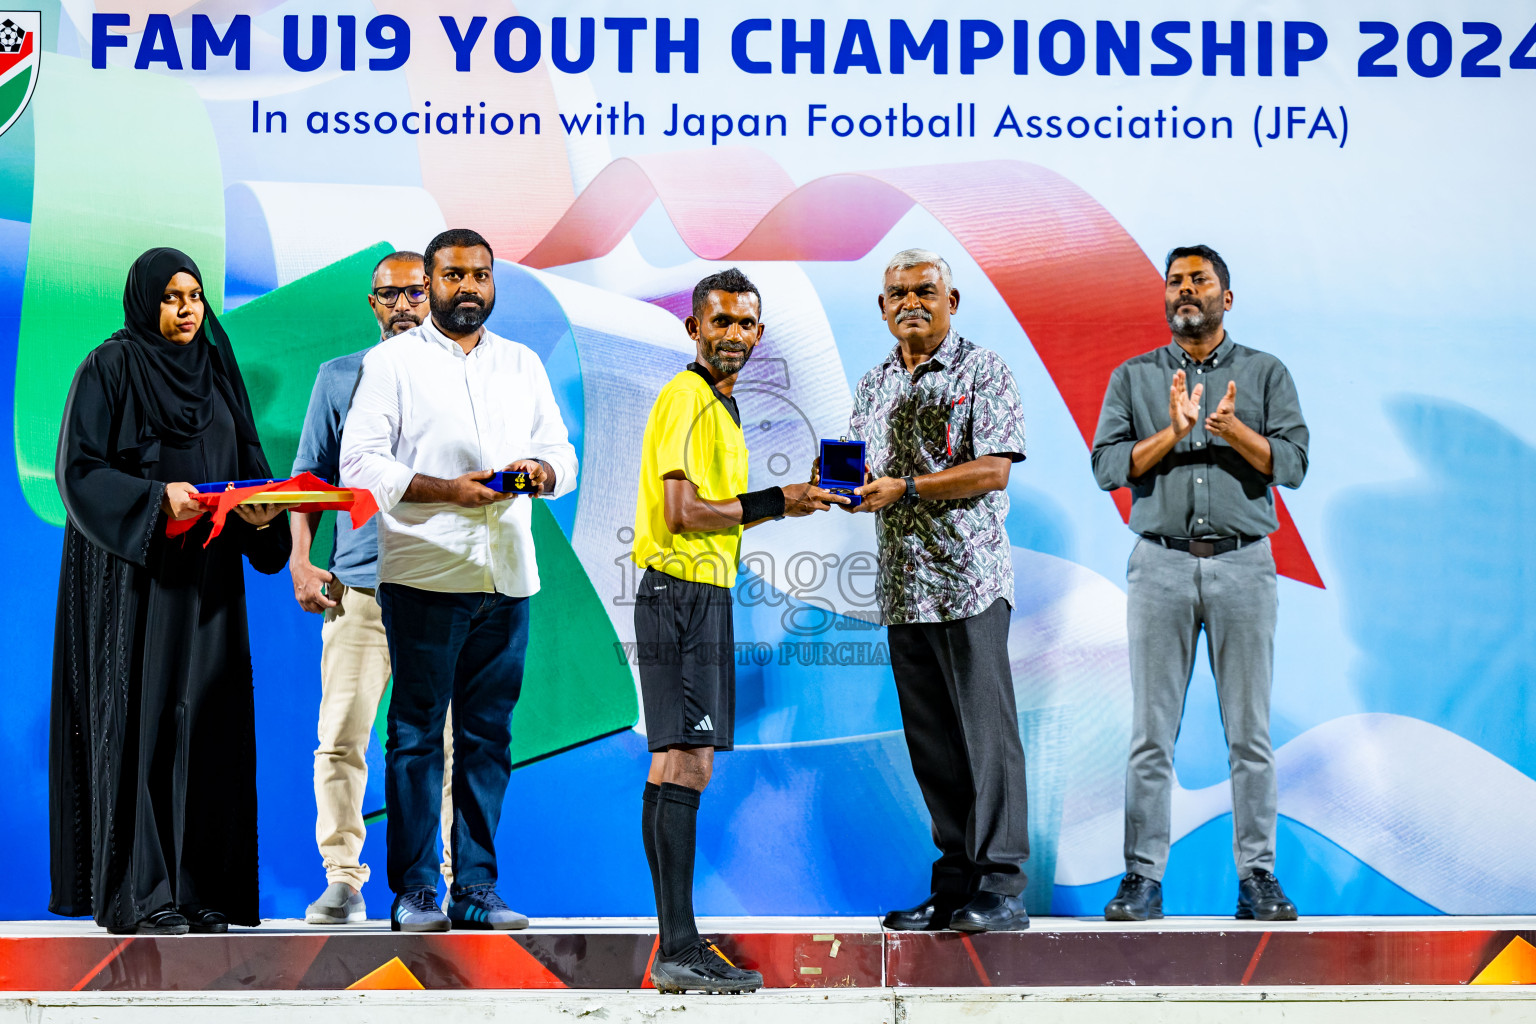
(940, 560)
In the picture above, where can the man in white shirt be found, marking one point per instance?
(354, 652)
(437, 410)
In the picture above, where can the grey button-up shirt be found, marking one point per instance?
(1203, 488)
(940, 560)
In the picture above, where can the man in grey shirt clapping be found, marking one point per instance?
(1200, 430)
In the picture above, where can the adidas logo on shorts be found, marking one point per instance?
(705, 725)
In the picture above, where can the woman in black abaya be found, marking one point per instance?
(152, 759)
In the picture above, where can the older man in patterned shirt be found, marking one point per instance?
(943, 424)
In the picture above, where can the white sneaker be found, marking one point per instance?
(339, 904)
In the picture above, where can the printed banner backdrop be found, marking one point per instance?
(1368, 181)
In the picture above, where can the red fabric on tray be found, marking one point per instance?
(360, 507)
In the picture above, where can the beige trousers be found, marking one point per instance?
(354, 667)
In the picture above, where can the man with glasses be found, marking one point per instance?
(354, 658)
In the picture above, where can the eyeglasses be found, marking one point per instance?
(415, 295)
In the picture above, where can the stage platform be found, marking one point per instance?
(793, 953)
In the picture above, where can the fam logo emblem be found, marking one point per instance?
(20, 50)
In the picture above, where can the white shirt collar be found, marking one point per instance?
(431, 332)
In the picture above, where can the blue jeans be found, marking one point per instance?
(468, 648)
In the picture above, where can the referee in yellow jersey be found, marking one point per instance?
(693, 505)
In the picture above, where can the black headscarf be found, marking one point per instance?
(175, 383)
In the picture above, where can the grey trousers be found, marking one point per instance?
(1172, 596)
(962, 729)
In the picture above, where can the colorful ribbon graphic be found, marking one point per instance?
(1085, 294)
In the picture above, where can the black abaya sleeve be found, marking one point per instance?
(267, 549)
(117, 511)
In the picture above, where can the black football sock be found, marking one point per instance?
(648, 835)
(677, 812)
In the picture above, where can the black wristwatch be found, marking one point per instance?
(911, 496)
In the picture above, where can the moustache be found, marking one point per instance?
(910, 314)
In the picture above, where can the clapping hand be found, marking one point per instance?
(1224, 422)
(1184, 408)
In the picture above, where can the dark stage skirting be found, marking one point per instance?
(842, 953)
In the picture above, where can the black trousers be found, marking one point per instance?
(962, 729)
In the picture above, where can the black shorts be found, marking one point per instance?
(685, 647)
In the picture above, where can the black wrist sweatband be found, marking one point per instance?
(765, 504)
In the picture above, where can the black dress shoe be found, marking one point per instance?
(205, 921)
(931, 915)
(1259, 897)
(1137, 899)
(991, 912)
(165, 921)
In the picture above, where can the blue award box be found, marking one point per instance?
(228, 485)
(512, 481)
(842, 468)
